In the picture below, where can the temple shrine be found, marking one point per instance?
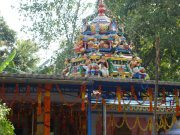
(103, 51)
(103, 90)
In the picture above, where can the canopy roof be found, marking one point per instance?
(15, 84)
(108, 84)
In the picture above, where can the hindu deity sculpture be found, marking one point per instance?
(103, 51)
(103, 66)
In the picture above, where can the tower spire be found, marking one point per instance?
(100, 1)
(101, 8)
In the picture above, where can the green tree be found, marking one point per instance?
(144, 22)
(7, 39)
(6, 128)
(7, 61)
(60, 57)
(55, 21)
(7, 35)
(16, 56)
(7, 44)
(26, 58)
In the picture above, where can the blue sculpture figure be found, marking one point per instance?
(113, 27)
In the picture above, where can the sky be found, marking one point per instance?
(15, 22)
(11, 16)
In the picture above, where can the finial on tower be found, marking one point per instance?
(101, 8)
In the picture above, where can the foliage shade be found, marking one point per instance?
(7, 35)
(7, 42)
(16, 56)
(6, 128)
(144, 22)
(26, 59)
(7, 61)
(55, 21)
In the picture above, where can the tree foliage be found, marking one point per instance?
(7, 61)
(26, 59)
(16, 56)
(7, 35)
(6, 128)
(144, 22)
(7, 45)
(55, 21)
(7, 39)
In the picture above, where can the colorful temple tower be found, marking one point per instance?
(102, 50)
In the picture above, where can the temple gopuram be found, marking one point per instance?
(102, 51)
(103, 90)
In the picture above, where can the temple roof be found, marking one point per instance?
(54, 79)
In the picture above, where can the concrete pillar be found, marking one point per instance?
(40, 124)
(89, 113)
(56, 125)
(32, 123)
(104, 117)
(47, 109)
(25, 124)
(94, 120)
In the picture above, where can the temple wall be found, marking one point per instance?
(112, 129)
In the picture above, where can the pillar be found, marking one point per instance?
(25, 124)
(40, 124)
(40, 113)
(104, 116)
(94, 122)
(32, 122)
(56, 124)
(47, 108)
(89, 118)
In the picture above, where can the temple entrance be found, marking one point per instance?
(22, 118)
(68, 120)
(65, 120)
